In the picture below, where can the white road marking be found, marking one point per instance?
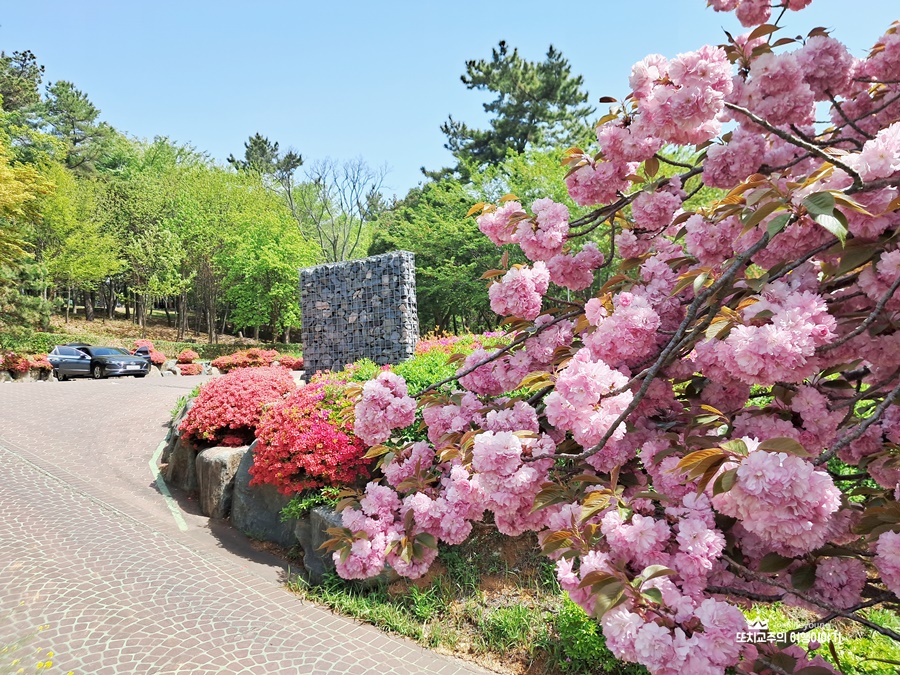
(164, 489)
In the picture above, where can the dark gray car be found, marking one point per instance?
(97, 362)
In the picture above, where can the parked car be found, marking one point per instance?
(143, 352)
(78, 359)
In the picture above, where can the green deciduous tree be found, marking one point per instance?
(70, 238)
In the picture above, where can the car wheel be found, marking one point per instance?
(59, 376)
(97, 372)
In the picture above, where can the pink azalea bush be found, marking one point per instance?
(227, 410)
(19, 364)
(718, 424)
(306, 440)
(291, 362)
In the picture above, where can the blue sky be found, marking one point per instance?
(346, 79)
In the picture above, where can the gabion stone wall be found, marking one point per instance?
(359, 308)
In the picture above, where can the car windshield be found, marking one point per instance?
(108, 351)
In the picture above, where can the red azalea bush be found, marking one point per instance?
(14, 363)
(291, 362)
(228, 408)
(187, 356)
(248, 358)
(306, 441)
(40, 362)
(190, 368)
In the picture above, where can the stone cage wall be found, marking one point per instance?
(359, 309)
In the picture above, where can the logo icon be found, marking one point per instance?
(760, 625)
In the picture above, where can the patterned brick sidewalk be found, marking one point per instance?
(88, 547)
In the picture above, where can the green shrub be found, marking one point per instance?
(425, 369)
(302, 503)
(578, 645)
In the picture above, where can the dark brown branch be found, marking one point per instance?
(740, 592)
(672, 162)
(861, 429)
(828, 607)
(799, 142)
(879, 307)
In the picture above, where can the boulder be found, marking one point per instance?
(311, 533)
(181, 470)
(216, 468)
(173, 435)
(5, 376)
(171, 366)
(154, 372)
(256, 510)
(209, 369)
(34, 375)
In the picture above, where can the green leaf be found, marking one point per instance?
(427, 540)
(725, 481)
(804, 577)
(833, 224)
(773, 562)
(654, 571)
(819, 203)
(777, 224)
(653, 594)
(736, 446)
(788, 445)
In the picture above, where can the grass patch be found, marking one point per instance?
(492, 599)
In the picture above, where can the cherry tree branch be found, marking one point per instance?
(853, 125)
(799, 142)
(831, 609)
(879, 307)
(650, 373)
(861, 429)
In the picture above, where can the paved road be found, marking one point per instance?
(90, 551)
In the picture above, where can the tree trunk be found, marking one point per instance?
(111, 301)
(68, 303)
(181, 315)
(256, 333)
(88, 298)
(287, 335)
(168, 316)
(126, 294)
(210, 327)
(140, 311)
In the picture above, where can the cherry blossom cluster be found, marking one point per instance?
(703, 425)
(385, 405)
